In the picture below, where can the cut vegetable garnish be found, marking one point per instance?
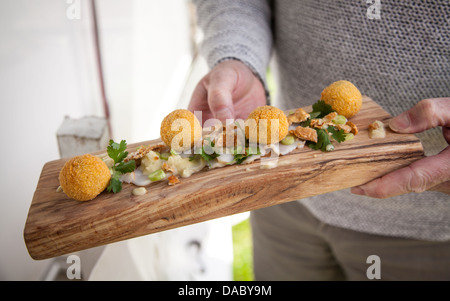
(157, 175)
(288, 140)
(117, 152)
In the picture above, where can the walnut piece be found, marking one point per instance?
(354, 128)
(142, 151)
(173, 180)
(308, 134)
(329, 118)
(298, 116)
(347, 129)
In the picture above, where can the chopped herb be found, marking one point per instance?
(320, 109)
(306, 123)
(117, 152)
(207, 152)
(208, 156)
(114, 184)
(239, 158)
(322, 140)
(125, 167)
(338, 135)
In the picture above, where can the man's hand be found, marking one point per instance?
(229, 91)
(430, 173)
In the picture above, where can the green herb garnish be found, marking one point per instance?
(207, 152)
(338, 135)
(239, 158)
(320, 110)
(324, 141)
(117, 152)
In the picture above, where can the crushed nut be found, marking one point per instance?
(167, 168)
(317, 123)
(354, 128)
(308, 134)
(142, 151)
(347, 129)
(173, 180)
(298, 116)
(329, 118)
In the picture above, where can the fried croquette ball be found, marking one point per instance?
(180, 130)
(84, 177)
(259, 127)
(343, 97)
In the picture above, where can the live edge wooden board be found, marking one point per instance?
(57, 225)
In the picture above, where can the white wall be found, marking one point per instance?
(149, 72)
(48, 70)
(146, 53)
(44, 75)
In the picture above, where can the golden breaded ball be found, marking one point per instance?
(260, 130)
(343, 97)
(84, 177)
(182, 128)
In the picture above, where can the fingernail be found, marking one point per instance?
(223, 114)
(401, 122)
(358, 191)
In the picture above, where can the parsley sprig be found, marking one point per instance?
(207, 152)
(117, 152)
(240, 157)
(240, 154)
(320, 110)
(323, 138)
(338, 135)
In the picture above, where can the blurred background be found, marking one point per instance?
(133, 61)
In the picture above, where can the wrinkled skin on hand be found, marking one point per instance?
(229, 91)
(430, 173)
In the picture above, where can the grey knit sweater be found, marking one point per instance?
(397, 58)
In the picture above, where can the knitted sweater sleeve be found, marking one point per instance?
(238, 30)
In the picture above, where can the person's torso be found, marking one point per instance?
(397, 60)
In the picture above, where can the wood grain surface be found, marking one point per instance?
(57, 225)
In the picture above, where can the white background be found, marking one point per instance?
(48, 71)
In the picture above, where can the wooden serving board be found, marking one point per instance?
(57, 225)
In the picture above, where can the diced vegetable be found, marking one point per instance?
(340, 119)
(288, 140)
(157, 175)
(253, 150)
(164, 156)
(329, 148)
(349, 136)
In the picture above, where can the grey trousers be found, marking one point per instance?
(289, 243)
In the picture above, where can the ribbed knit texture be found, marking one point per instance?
(396, 60)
